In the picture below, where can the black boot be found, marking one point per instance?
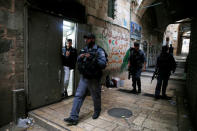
(133, 91)
(71, 121)
(139, 90)
(157, 97)
(95, 115)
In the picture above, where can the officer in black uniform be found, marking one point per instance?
(171, 49)
(137, 63)
(165, 65)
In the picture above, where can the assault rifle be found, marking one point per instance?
(88, 65)
(155, 74)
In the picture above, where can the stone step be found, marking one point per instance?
(47, 124)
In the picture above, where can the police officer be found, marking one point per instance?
(89, 79)
(165, 65)
(137, 63)
(69, 61)
(171, 49)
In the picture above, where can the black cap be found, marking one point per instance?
(89, 35)
(164, 48)
(85, 36)
(136, 44)
(69, 40)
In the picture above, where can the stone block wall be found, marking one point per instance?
(11, 54)
(151, 40)
(112, 34)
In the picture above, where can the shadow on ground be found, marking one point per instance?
(127, 91)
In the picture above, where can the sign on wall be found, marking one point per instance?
(135, 31)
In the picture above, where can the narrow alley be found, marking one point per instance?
(52, 51)
(147, 112)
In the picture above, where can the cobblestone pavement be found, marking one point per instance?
(148, 113)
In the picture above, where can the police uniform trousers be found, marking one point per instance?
(136, 78)
(93, 85)
(162, 80)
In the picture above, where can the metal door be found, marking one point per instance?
(82, 29)
(44, 58)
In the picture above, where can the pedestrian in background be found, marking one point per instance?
(69, 58)
(167, 42)
(171, 49)
(136, 64)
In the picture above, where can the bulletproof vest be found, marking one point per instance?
(171, 50)
(164, 62)
(88, 66)
(136, 58)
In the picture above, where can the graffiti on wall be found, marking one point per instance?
(115, 42)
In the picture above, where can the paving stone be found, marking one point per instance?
(98, 129)
(86, 126)
(121, 128)
(146, 104)
(100, 123)
(148, 114)
(154, 125)
(122, 122)
(146, 129)
(159, 117)
(165, 108)
(134, 127)
(139, 120)
(112, 127)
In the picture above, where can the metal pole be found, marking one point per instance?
(150, 5)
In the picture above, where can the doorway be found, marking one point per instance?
(47, 37)
(69, 32)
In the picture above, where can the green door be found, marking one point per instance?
(44, 58)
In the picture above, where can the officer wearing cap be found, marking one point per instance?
(137, 63)
(91, 61)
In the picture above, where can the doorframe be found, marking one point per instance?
(26, 51)
(74, 72)
(26, 36)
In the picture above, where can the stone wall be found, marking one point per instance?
(11, 54)
(112, 34)
(151, 40)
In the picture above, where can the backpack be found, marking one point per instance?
(136, 58)
(106, 55)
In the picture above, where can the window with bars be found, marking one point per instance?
(111, 8)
